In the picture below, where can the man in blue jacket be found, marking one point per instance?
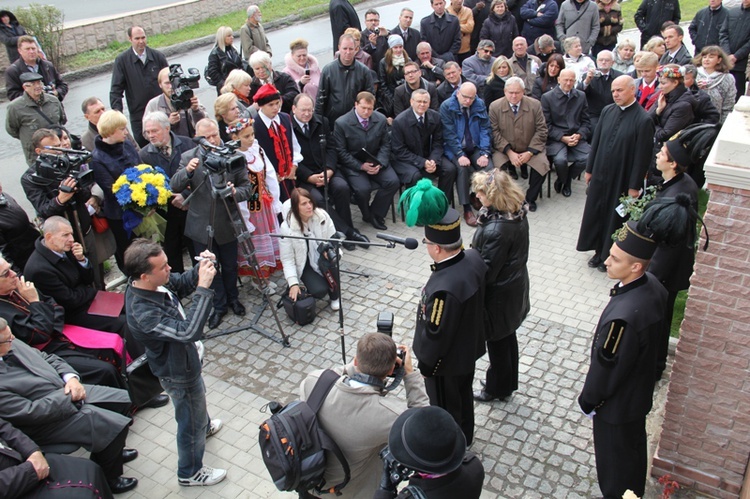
(466, 133)
(172, 336)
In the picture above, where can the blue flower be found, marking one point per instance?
(123, 195)
(133, 174)
(152, 195)
(159, 169)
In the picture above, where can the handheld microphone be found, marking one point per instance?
(409, 242)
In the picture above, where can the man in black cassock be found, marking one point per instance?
(342, 16)
(620, 154)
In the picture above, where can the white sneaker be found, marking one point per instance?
(336, 305)
(204, 477)
(214, 427)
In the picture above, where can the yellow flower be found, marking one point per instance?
(164, 195)
(139, 194)
(144, 167)
(122, 180)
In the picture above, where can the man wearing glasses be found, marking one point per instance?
(467, 141)
(412, 81)
(477, 67)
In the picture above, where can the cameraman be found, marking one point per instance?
(193, 174)
(49, 199)
(358, 415)
(182, 120)
(428, 443)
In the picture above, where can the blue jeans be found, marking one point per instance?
(192, 418)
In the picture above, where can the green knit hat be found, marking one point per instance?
(423, 204)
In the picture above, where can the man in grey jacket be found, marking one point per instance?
(358, 413)
(171, 336)
(578, 18)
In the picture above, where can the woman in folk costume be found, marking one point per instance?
(260, 211)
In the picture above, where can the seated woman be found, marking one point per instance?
(260, 63)
(226, 111)
(548, 79)
(304, 264)
(624, 57)
(656, 45)
(715, 79)
(391, 73)
(303, 68)
(495, 87)
(238, 83)
(575, 59)
(502, 238)
(223, 58)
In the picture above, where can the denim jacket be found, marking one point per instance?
(169, 339)
(454, 124)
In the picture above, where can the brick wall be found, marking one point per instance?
(705, 440)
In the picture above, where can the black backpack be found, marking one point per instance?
(293, 444)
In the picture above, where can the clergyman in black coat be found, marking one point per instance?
(442, 31)
(417, 149)
(342, 16)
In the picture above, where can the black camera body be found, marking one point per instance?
(51, 169)
(183, 85)
(49, 88)
(393, 471)
(327, 251)
(218, 159)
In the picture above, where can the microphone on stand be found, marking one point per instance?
(408, 242)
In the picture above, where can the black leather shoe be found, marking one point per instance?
(158, 401)
(532, 206)
(238, 308)
(594, 261)
(129, 455)
(482, 396)
(122, 484)
(601, 267)
(566, 191)
(359, 238)
(349, 246)
(558, 186)
(378, 223)
(215, 319)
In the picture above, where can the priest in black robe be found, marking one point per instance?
(620, 155)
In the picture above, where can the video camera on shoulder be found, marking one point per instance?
(183, 85)
(52, 169)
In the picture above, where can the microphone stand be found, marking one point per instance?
(323, 142)
(336, 243)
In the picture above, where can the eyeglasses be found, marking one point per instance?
(412, 72)
(486, 51)
(428, 243)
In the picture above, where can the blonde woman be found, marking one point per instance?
(495, 84)
(223, 58)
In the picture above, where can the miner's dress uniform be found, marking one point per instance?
(449, 336)
(620, 383)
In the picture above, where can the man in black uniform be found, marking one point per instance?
(620, 383)
(449, 336)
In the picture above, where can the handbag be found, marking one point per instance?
(100, 224)
(303, 310)
(142, 384)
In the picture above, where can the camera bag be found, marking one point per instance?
(293, 444)
(302, 311)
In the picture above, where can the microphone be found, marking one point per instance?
(409, 242)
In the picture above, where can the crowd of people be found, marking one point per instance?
(479, 95)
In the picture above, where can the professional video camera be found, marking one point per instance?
(220, 160)
(51, 169)
(183, 85)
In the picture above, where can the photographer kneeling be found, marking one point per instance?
(308, 263)
(427, 446)
(357, 413)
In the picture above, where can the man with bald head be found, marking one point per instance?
(620, 154)
(467, 137)
(566, 113)
(525, 65)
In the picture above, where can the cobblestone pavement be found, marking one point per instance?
(536, 445)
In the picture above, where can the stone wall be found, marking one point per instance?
(705, 440)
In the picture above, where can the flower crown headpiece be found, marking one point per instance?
(673, 73)
(239, 126)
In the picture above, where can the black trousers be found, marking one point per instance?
(110, 458)
(339, 193)
(362, 185)
(454, 394)
(92, 370)
(663, 346)
(502, 375)
(225, 282)
(122, 241)
(445, 173)
(621, 457)
(175, 240)
(536, 183)
(740, 81)
(317, 285)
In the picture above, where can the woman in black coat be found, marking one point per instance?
(10, 32)
(501, 28)
(673, 265)
(494, 87)
(502, 238)
(262, 67)
(391, 73)
(550, 71)
(222, 59)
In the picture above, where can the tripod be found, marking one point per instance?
(220, 190)
(336, 243)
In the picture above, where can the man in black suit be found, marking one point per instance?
(598, 86)
(417, 145)
(374, 39)
(568, 128)
(410, 35)
(342, 16)
(364, 128)
(442, 30)
(453, 79)
(318, 164)
(136, 74)
(412, 81)
(165, 149)
(432, 67)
